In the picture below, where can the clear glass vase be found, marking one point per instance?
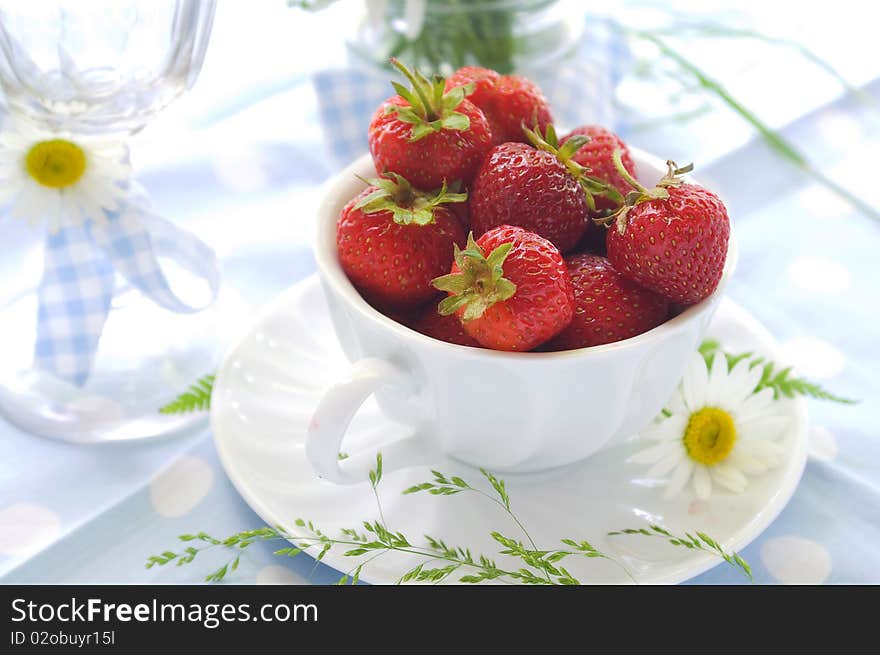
(509, 36)
(98, 68)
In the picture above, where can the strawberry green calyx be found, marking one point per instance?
(480, 282)
(641, 193)
(431, 109)
(592, 186)
(408, 205)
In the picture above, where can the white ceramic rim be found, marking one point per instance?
(331, 271)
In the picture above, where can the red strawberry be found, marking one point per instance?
(513, 298)
(508, 101)
(428, 136)
(671, 239)
(393, 241)
(608, 307)
(597, 155)
(482, 82)
(542, 190)
(446, 328)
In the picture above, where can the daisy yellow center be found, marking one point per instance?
(57, 163)
(709, 436)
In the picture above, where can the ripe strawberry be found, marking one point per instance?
(427, 136)
(446, 328)
(597, 155)
(607, 306)
(393, 241)
(542, 190)
(671, 239)
(481, 82)
(508, 101)
(516, 297)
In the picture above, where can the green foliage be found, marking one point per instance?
(533, 566)
(196, 399)
(781, 380)
(376, 474)
(696, 541)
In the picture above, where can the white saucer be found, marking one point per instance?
(272, 379)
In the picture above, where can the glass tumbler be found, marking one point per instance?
(100, 67)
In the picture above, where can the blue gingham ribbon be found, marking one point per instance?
(81, 263)
(580, 90)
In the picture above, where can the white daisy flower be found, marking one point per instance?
(718, 432)
(63, 178)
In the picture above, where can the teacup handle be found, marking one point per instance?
(334, 414)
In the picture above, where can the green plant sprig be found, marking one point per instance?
(195, 399)
(703, 29)
(781, 380)
(537, 567)
(773, 138)
(696, 541)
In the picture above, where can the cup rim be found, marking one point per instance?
(331, 272)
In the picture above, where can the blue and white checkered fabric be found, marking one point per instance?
(580, 91)
(74, 300)
(80, 267)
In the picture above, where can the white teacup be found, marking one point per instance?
(506, 412)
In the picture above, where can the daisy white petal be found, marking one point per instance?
(115, 169)
(29, 202)
(671, 428)
(655, 453)
(764, 427)
(755, 374)
(766, 450)
(755, 405)
(663, 467)
(716, 385)
(696, 379)
(11, 170)
(12, 140)
(748, 463)
(730, 477)
(679, 478)
(741, 382)
(702, 482)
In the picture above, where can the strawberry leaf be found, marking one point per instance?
(430, 107)
(479, 284)
(407, 205)
(456, 121)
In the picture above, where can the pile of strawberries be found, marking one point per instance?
(485, 229)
